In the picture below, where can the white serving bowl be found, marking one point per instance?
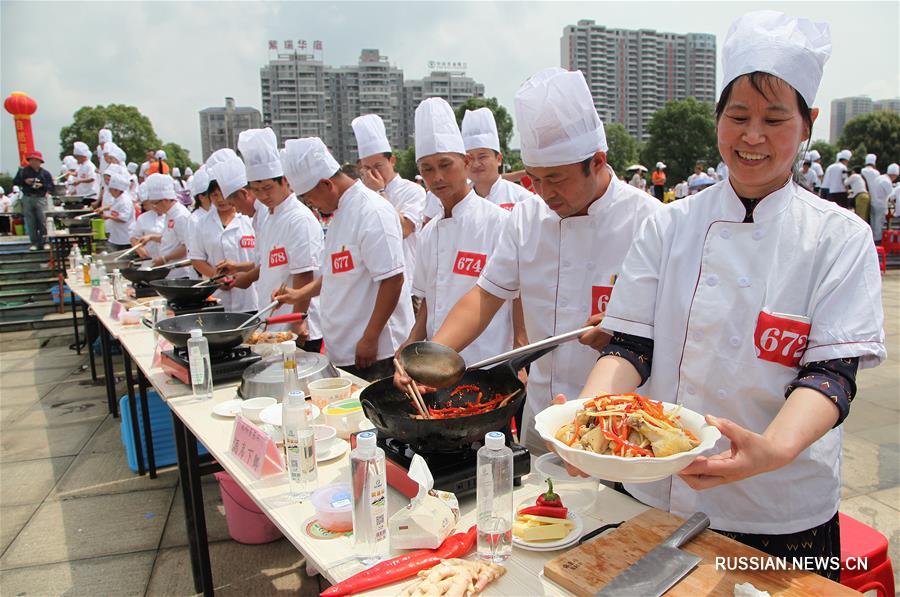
(617, 468)
(251, 409)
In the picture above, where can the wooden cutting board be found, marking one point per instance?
(587, 568)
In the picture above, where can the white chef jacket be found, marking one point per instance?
(257, 220)
(120, 207)
(176, 230)
(433, 206)
(452, 253)
(810, 178)
(701, 284)
(507, 194)
(564, 270)
(237, 242)
(820, 173)
(408, 199)
(289, 242)
(363, 247)
(834, 178)
(870, 174)
(149, 222)
(196, 219)
(856, 184)
(87, 170)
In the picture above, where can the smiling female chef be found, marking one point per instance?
(754, 301)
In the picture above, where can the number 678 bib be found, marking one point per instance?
(781, 338)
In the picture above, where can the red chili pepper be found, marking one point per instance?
(549, 498)
(405, 566)
(551, 511)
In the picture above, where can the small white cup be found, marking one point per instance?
(325, 435)
(251, 409)
(323, 392)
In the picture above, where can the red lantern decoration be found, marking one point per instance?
(22, 107)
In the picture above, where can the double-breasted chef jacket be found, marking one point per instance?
(507, 194)
(236, 242)
(563, 269)
(451, 255)
(364, 246)
(734, 310)
(121, 207)
(289, 241)
(149, 222)
(176, 232)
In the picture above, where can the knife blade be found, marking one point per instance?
(663, 566)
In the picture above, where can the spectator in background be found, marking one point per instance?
(711, 172)
(158, 164)
(882, 191)
(807, 176)
(659, 181)
(698, 171)
(834, 183)
(870, 173)
(36, 184)
(682, 190)
(857, 193)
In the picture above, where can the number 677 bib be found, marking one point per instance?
(781, 338)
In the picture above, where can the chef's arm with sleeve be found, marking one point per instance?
(179, 253)
(299, 281)
(389, 291)
(19, 178)
(419, 328)
(406, 225)
(520, 333)
(246, 279)
(834, 379)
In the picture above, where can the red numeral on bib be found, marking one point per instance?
(341, 262)
(248, 242)
(780, 340)
(171, 223)
(507, 206)
(277, 257)
(469, 264)
(600, 298)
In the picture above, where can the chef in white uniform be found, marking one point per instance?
(754, 302)
(149, 222)
(289, 241)
(455, 246)
(364, 316)
(120, 215)
(879, 196)
(376, 168)
(86, 178)
(225, 235)
(482, 143)
(835, 179)
(560, 251)
(176, 226)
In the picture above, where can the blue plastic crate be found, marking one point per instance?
(160, 423)
(67, 294)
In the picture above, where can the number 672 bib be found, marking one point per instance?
(781, 338)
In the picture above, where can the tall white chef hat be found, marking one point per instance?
(119, 181)
(306, 162)
(893, 169)
(436, 129)
(259, 147)
(160, 186)
(81, 148)
(142, 191)
(132, 167)
(200, 182)
(556, 118)
(160, 154)
(188, 171)
(871, 158)
(176, 172)
(844, 154)
(479, 129)
(220, 155)
(104, 136)
(116, 169)
(813, 155)
(118, 153)
(371, 136)
(70, 162)
(791, 48)
(230, 174)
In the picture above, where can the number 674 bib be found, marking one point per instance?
(781, 338)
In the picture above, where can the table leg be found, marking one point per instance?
(132, 411)
(199, 513)
(89, 342)
(75, 324)
(109, 379)
(190, 511)
(148, 429)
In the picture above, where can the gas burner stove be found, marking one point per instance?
(452, 471)
(142, 290)
(202, 307)
(226, 366)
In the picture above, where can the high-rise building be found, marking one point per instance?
(633, 73)
(303, 97)
(846, 108)
(220, 127)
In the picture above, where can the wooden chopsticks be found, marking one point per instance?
(412, 390)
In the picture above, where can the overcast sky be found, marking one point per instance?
(172, 59)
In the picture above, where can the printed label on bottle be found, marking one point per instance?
(377, 495)
(198, 370)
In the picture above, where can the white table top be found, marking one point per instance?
(596, 504)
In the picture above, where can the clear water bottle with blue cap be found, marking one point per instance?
(494, 493)
(369, 493)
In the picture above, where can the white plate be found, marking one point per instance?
(337, 447)
(573, 536)
(229, 408)
(618, 468)
(272, 414)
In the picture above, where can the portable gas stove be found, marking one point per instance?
(452, 471)
(143, 290)
(226, 366)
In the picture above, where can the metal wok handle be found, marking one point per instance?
(551, 342)
(375, 413)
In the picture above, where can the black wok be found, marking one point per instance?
(389, 408)
(219, 329)
(182, 292)
(136, 275)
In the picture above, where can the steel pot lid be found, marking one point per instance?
(266, 377)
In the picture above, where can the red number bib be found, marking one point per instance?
(469, 264)
(780, 339)
(600, 298)
(248, 242)
(277, 257)
(341, 262)
(507, 206)
(171, 223)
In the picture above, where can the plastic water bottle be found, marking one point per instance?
(74, 258)
(369, 493)
(201, 368)
(299, 446)
(289, 367)
(494, 492)
(50, 225)
(94, 275)
(86, 270)
(117, 289)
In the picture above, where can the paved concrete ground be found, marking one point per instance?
(75, 520)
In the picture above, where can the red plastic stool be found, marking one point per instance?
(860, 541)
(890, 240)
(882, 259)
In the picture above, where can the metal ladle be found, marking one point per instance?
(439, 366)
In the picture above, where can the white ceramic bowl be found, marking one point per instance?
(618, 468)
(324, 435)
(250, 409)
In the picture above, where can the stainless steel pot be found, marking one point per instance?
(266, 377)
